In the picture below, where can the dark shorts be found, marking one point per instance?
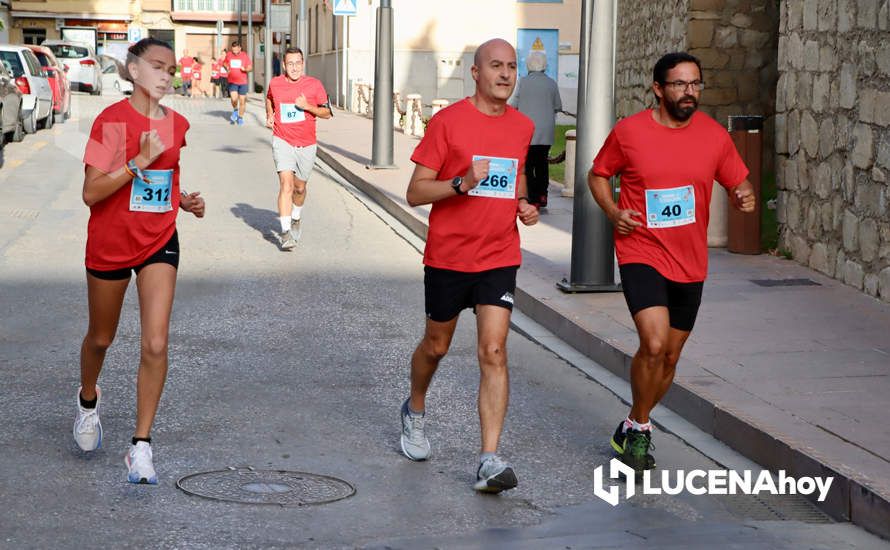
(240, 88)
(167, 254)
(645, 287)
(449, 292)
(214, 81)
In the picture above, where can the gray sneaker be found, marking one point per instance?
(286, 240)
(296, 231)
(415, 445)
(494, 475)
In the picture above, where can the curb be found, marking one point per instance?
(849, 499)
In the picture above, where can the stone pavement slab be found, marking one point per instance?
(794, 377)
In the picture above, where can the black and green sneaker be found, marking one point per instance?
(636, 450)
(619, 438)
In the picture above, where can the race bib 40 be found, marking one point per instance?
(670, 207)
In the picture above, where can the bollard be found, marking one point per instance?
(414, 115)
(569, 189)
(438, 105)
(744, 229)
(355, 103)
(718, 223)
(397, 112)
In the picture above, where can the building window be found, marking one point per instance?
(33, 36)
(316, 28)
(311, 34)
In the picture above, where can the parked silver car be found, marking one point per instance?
(30, 78)
(13, 129)
(84, 72)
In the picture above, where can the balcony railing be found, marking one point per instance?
(228, 6)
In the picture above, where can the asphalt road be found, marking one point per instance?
(299, 361)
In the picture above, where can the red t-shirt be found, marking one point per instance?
(196, 71)
(187, 67)
(473, 233)
(117, 237)
(291, 124)
(238, 71)
(214, 69)
(649, 156)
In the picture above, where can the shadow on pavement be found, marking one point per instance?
(258, 218)
(348, 154)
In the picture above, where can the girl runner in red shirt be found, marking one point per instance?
(131, 185)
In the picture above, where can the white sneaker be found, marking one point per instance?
(139, 465)
(87, 428)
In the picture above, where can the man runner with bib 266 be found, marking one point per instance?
(293, 103)
(469, 166)
(668, 159)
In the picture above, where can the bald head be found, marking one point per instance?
(489, 48)
(494, 70)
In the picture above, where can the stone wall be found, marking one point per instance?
(646, 31)
(833, 139)
(736, 42)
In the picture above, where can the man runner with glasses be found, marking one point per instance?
(668, 159)
(293, 103)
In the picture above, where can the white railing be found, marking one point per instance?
(230, 6)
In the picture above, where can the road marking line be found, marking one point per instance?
(14, 163)
(38, 145)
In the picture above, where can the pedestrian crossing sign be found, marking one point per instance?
(345, 7)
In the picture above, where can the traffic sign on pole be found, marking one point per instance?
(345, 7)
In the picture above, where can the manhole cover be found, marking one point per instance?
(784, 282)
(249, 486)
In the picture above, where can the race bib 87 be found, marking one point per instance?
(501, 180)
(291, 113)
(670, 207)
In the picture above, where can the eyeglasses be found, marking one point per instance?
(683, 85)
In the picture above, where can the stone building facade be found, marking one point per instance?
(833, 139)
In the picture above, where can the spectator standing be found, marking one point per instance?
(537, 97)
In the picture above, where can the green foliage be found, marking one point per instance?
(558, 171)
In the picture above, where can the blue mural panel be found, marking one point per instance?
(546, 40)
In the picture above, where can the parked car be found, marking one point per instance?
(112, 75)
(13, 128)
(58, 80)
(82, 63)
(37, 95)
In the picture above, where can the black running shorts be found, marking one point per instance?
(645, 287)
(167, 254)
(449, 292)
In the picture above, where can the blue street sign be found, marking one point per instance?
(345, 7)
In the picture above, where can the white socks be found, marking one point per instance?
(285, 223)
(295, 212)
(642, 427)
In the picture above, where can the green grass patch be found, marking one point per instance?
(558, 171)
(769, 225)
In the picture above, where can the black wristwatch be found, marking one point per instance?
(456, 183)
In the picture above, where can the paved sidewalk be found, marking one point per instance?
(794, 377)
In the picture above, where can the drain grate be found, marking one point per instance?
(768, 507)
(784, 282)
(281, 487)
(23, 213)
